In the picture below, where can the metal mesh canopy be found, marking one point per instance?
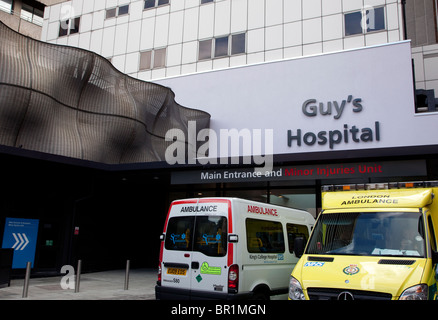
(72, 102)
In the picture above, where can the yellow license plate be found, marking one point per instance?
(177, 271)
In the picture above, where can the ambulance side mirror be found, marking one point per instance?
(299, 244)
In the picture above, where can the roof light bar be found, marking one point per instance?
(379, 186)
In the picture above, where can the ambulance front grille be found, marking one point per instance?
(397, 261)
(345, 294)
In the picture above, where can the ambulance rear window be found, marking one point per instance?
(179, 233)
(206, 234)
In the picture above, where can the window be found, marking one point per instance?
(222, 46)
(155, 3)
(397, 234)
(6, 6)
(117, 12)
(294, 231)
(153, 59)
(178, 235)
(70, 26)
(264, 236)
(367, 20)
(238, 43)
(31, 14)
(353, 23)
(159, 58)
(206, 234)
(205, 49)
(123, 10)
(206, 1)
(211, 235)
(110, 13)
(145, 60)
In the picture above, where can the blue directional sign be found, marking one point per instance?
(21, 235)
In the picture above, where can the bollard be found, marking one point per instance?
(78, 276)
(26, 280)
(128, 262)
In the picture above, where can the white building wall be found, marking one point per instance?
(275, 29)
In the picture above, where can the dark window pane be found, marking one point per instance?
(211, 235)
(149, 4)
(353, 23)
(123, 10)
(238, 43)
(74, 28)
(221, 47)
(163, 2)
(179, 233)
(206, 1)
(204, 49)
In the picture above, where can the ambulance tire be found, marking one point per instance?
(261, 293)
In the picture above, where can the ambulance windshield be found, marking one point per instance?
(369, 233)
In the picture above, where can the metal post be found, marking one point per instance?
(78, 276)
(128, 262)
(26, 280)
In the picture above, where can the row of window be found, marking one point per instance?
(357, 22)
(208, 49)
(71, 26)
(123, 10)
(208, 234)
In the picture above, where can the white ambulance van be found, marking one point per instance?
(228, 248)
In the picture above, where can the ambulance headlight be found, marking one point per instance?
(418, 292)
(295, 290)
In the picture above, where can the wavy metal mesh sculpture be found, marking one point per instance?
(72, 102)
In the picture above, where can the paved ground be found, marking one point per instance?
(108, 285)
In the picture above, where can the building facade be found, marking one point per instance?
(151, 40)
(326, 91)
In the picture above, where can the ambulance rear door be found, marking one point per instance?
(209, 263)
(196, 251)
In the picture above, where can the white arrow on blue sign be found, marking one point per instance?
(22, 241)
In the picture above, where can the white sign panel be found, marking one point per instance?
(358, 99)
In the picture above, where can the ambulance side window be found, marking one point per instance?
(264, 236)
(179, 233)
(296, 230)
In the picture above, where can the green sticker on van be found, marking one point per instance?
(206, 269)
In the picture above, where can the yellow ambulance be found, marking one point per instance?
(371, 242)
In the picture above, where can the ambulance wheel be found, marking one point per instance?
(261, 293)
